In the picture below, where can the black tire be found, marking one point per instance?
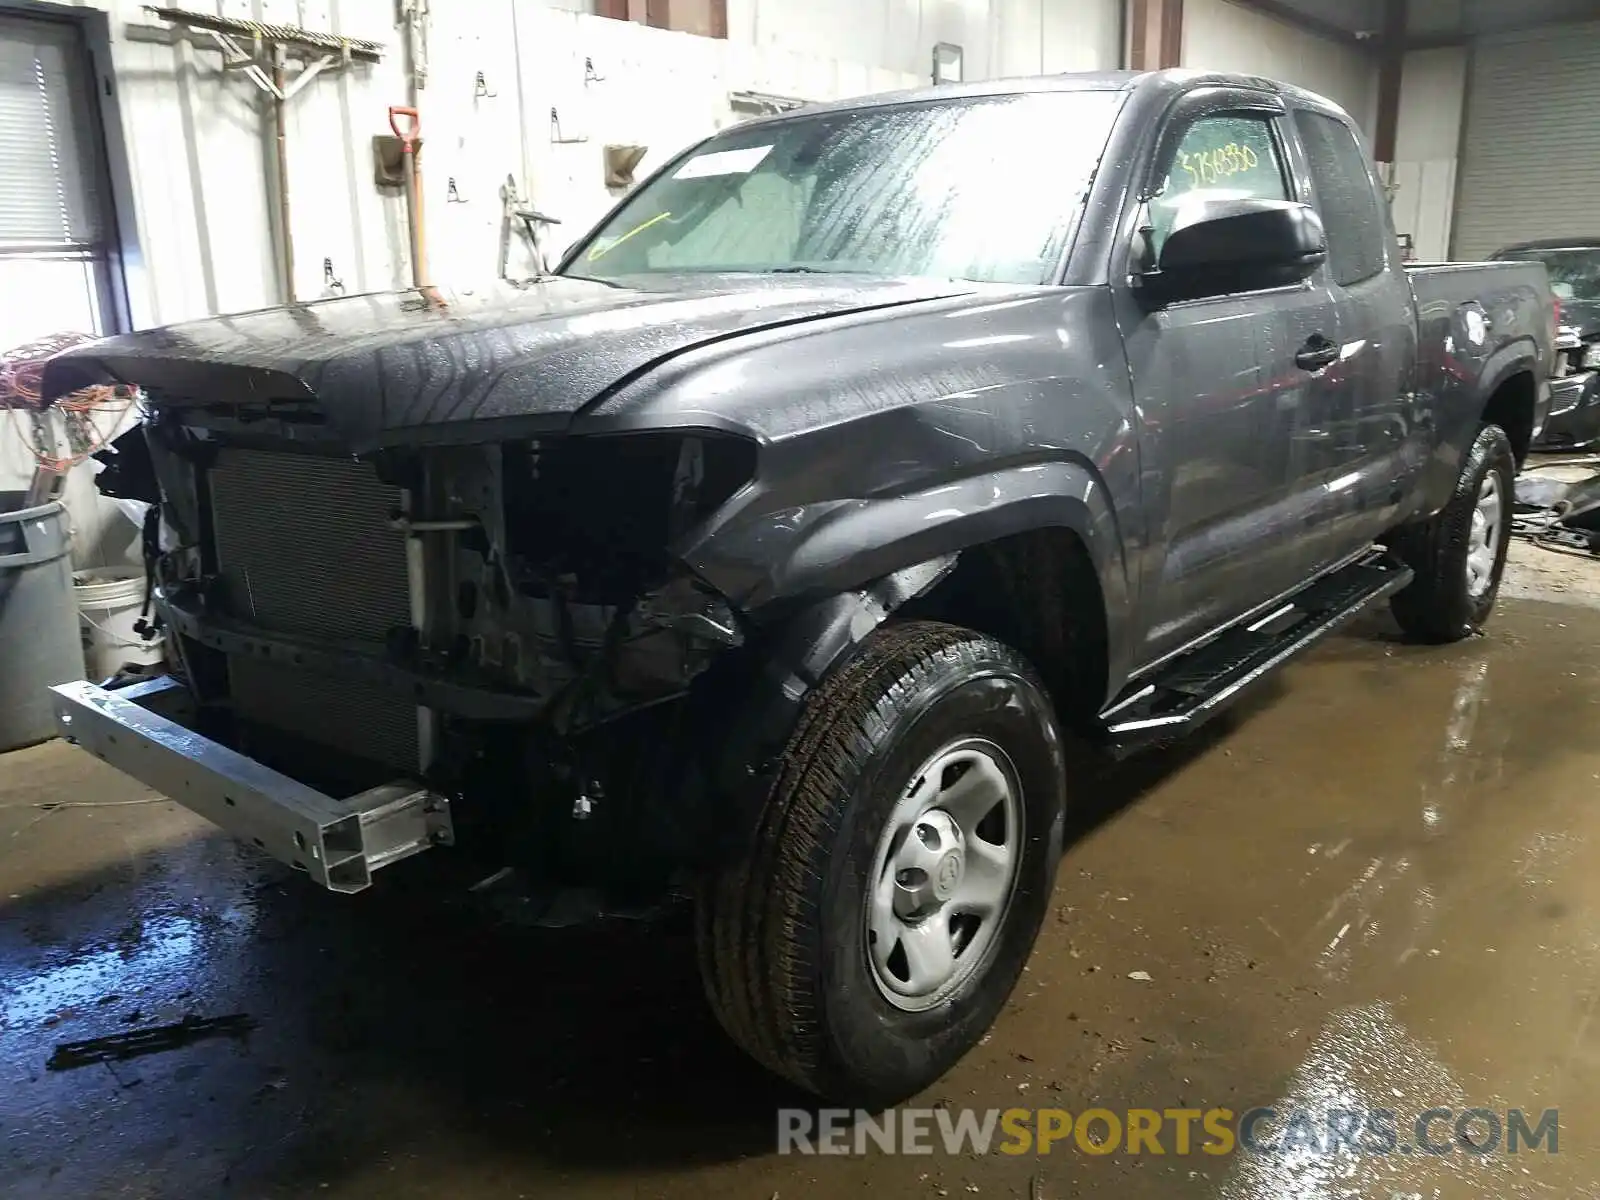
(1438, 605)
(782, 933)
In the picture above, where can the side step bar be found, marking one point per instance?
(1187, 692)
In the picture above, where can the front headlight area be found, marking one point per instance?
(564, 591)
(570, 590)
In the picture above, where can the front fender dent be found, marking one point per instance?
(826, 549)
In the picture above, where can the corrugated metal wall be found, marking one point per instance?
(195, 140)
(197, 149)
(1531, 158)
(195, 135)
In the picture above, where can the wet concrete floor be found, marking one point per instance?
(1376, 885)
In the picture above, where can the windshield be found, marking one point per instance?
(1574, 272)
(983, 189)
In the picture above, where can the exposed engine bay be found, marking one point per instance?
(505, 621)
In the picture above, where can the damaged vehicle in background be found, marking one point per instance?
(1574, 267)
(778, 547)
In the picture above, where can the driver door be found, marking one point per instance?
(1219, 396)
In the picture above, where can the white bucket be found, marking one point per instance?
(109, 600)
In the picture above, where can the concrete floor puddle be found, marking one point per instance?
(1373, 887)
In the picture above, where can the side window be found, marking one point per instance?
(1351, 214)
(1228, 156)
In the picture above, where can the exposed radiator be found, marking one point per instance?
(352, 716)
(304, 546)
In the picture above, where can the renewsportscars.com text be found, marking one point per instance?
(1263, 1131)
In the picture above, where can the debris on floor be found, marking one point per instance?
(155, 1039)
(1558, 505)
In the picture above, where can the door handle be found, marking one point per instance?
(1318, 352)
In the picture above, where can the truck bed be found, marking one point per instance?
(1476, 321)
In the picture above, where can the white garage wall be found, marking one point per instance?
(199, 166)
(199, 163)
(1427, 145)
(1221, 36)
(997, 37)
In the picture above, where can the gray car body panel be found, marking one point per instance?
(901, 421)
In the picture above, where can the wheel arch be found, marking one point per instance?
(1038, 591)
(1511, 402)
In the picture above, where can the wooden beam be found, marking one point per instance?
(1391, 70)
(1155, 34)
(1138, 35)
(1171, 33)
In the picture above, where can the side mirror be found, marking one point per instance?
(1217, 247)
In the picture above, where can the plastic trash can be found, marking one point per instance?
(39, 641)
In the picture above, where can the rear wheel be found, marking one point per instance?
(900, 872)
(1459, 554)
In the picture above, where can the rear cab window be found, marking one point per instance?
(1353, 219)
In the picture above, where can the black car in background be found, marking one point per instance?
(1574, 267)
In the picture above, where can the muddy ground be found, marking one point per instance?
(1375, 885)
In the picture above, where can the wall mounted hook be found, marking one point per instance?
(556, 136)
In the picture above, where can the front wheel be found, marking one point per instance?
(902, 866)
(1460, 553)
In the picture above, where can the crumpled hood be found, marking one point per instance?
(382, 368)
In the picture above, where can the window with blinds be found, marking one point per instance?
(47, 197)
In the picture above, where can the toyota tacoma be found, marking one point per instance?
(776, 547)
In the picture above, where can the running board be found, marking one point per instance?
(1203, 682)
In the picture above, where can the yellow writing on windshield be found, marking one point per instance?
(597, 251)
(1208, 167)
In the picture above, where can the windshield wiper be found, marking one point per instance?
(803, 271)
(586, 278)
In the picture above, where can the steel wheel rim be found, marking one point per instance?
(1483, 538)
(944, 874)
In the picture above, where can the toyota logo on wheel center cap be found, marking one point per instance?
(946, 875)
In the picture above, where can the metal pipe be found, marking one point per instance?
(280, 118)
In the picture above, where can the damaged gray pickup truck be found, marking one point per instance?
(777, 547)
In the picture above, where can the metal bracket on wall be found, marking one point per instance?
(480, 88)
(556, 136)
(452, 194)
(265, 41)
(330, 281)
(589, 74)
(531, 219)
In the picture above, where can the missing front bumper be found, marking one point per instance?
(337, 842)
